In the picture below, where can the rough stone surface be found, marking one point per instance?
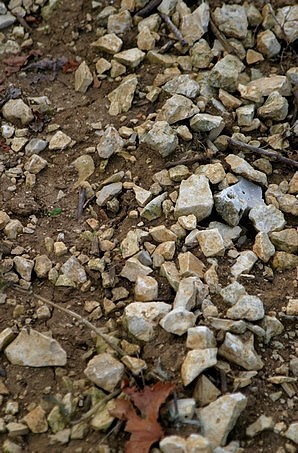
(195, 197)
(110, 143)
(203, 122)
(285, 240)
(121, 98)
(178, 321)
(247, 307)
(83, 78)
(16, 110)
(196, 361)
(244, 263)
(226, 72)
(161, 138)
(105, 371)
(177, 108)
(275, 108)
(182, 85)
(241, 351)
(142, 318)
(194, 25)
(267, 218)
(243, 168)
(211, 242)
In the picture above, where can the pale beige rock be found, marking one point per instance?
(16, 109)
(59, 141)
(189, 264)
(42, 266)
(146, 288)
(285, 240)
(186, 295)
(188, 222)
(205, 391)
(263, 247)
(170, 272)
(196, 362)
(4, 219)
(36, 420)
(229, 101)
(135, 365)
(293, 185)
(211, 242)
(13, 228)
(244, 263)
(110, 143)
(83, 77)
(266, 85)
(241, 351)
(292, 307)
(267, 44)
(35, 164)
(105, 371)
(194, 25)
(253, 57)
(195, 197)
(6, 336)
(178, 321)
(133, 268)
(200, 337)
(177, 108)
(247, 307)
(117, 69)
(102, 65)
(110, 43)
(141, 318)
(60, 248)
(161, 234)
(121, 98)
(145, 39)
(262, 423)
(23, 267)
(214, 172)
(131, 57)
(166, 249)
(275, 107)
(243, 168)
(119, 23)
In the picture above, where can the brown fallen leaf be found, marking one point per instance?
(70, 66)
(144, 428)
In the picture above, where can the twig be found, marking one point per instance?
(173, 28)
(254, 149)
(190, 161)
(96, 407)
(166, 47)
(114, 430)
(84, 321)
(22, 22)
(148, 8)
(82, 198)
(221, 38)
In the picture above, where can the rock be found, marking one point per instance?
(146, 289)
(177, 108)
(35, 146)
(157, 58)
(172, 443)
(11, 447)
(131, 57)
(162, 234)
(13, 228)
(263, 247)
(23, 267)
(227, 233)
(103, 419)
(102, 65)
(253, 57)
(142, 196)
(200, 337)
(17, 429)
(201, 54)
(195, 197)
(245, 114)
(6, 20)
(275, 107)
(220, 416)
(195, 25)
(167, 7)
(241, 351)
(262, 423)
(4, 219)
(186, 294)
(16, 109)
(235, 201)
(182, 85)
(267, 218)
(203, 122)
(146, 39)
(226, 72)
(214, 172)
(134, 268)
(110, 43)
(205, 392)
(244, 263)
(231, 20)
(35, 164)
(227, 325)
(59, 141)
(6, 336)
(287, 17)
(188, 222)
(228, 100)
(288, 204)
(105, 371)
(196, 361)
(190, 265)
(170, 272)
(293, 184)
(161, 137)
(166, 250)
(242, 167)
(178, 321)
(120, 23)
(153, 210)
(266, 85)
(292, 307)
(292, 432)
(247, 307)
(211, 242)
(36, 420)
(285, 240)
(110, 143)
(108, 192)
(121, 98)
(131, 243)
(73, 270)
(83, 78)
(267, 44)
(85, 167)
(272, 327)
(142, 318)
(34, 349)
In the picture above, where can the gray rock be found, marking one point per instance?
(177, 108)
(211, 242)
(262, 423)
(131, 57)
(170, 272)
(23, 267)
(35, 146)
(73, 270)
(241, 351)
(285, 240)
(292, 432)
(6, 20)
(131, 243)
(237, 327)
(267, 44)
(161, 137)
(247, 307)
(244, 263)
(231, 20)
(110, 43)
(6, 336)
(167, 7)
(232, 293)
(203, 122)
(16, 109)
(172, 443)
(182, 84)
(153, 209)
(120, 23)
(287, 17)
(178, 321)
(242, 167)
(266, 85)
(195, 197)
(267, 218)
(83, 77)
(134, 268)
(13, 228)
(263, 247)
(110, 143)
(272, 327)
(275, 108)
(228, 233)
(201, 54)
(245, 114)
(121, 98)
(142, 318)
(195, 25)
(108, 192)
(42, 266)
(11, 447)
(226, 72)
(35, 164)
(200, 337)
(105, 371)
(186, 296)
(34, 349)
(220, 416)
(146, 289)
(59, 141)
(196, 361)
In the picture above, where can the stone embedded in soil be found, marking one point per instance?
(226, 72)
(195, 25)
(110, 143)
(121, 98)
(220, 417)
(142, 318)
(186, 294)
(177, 108)
(85, 167)
(153, 209)
(275, 108)
(4, 219)
(108, 192)
(292, 432)
(13, 228)
(59, 141)
(272, 327)
(195, 197)
(16, 110)
(23, 267)
(241, 351)
(292, 307)
(214, 172)
(263, 247)
(267, 218)
(200, 337)
(244, 263)
(205, 391)
(196, 361)
(162, 234)
(242, 167)
(131, 57)
(105, 371)
(211, 242)
(120, 23)
(262, 423)
(35, 146)
(110, 43)
(172, 443)
(131, 243)
(170, 272)
(142, 196)
(161, 137)
(183, 85)
(36, 420)
(178, 321)
(73, 270)
(83, 78)
(285, 240)
(203, 122)
(34, 349)
(247, 307)
(103, 419)
(146, 39)
(35, 164)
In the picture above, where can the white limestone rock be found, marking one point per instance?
(195, 197)
(142, 318)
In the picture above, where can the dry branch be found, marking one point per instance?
(144, 12)
(173, 28)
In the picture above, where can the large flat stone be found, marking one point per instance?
(195, 197)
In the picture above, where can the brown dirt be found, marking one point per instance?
(75, 112)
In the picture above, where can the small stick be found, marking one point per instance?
(84, 321)
(96, 407)
(144, 12)
(254, 149)
(22, 22)
(221, 38)
(82, 198)
(190, 161)
(173, 28)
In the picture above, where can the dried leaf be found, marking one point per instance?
(145, 429)
(70, 66)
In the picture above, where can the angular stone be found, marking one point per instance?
(285, 240)
(34, 349)
(36, 420)
(196, 361)
(195, 25)
(214, 172)
(161, 59)
(263, 247)
(6, 336)
(195, 197)
(177, 108)
(13, 228)
(247, 307)
(293, 184)
(83, 78)
(267, 44)
(170, 272)
(228, 233)
(146, 289)
(275, 108)
(161, 137)
(4, 219)
(131, 57)
(186, 294)
(59, 141)
(23, 267)
(245, 114)
(272, 327)
(103, 419)
(188, 222)
(120, 23)
(292, 432)
(253, 57)
(110, 143)
(266, 85)
(189, 264)
(203, 122)
(227, 325)
(231, 20)
(200, 337)
(262, 423)
(183, 85)
(146, 39)
(172, 443)
(242, 167)
(73, 270)
(178, 321)
(288, 204)
(109, 43)
(121, 98)
(211, 242)
(102, 65)
(16, 109)
(244, 263)
(35, 164)
(108, 192)
(131, 243)
(105, 371)
(35, 146)
(142, 318)
(161, 234)
(267, 218)
(134, 268)
(226, 72)
(220, 416)
(17, 429)
(201, 54)
(241, 351)
(166, 250)
(287, 17)
(142, 196)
